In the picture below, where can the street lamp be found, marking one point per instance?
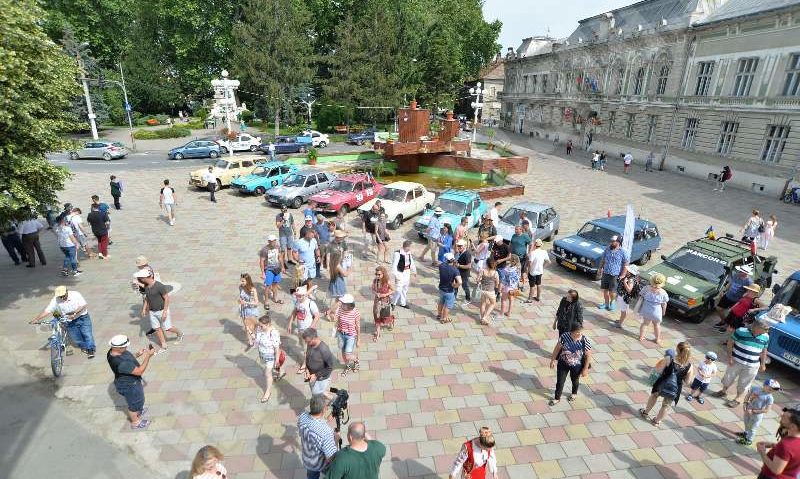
(85, 83)
(476, 105)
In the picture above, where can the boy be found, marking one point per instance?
(757, 402)
(705, 373)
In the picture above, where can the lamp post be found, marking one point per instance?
(476, 105)
(127, 106)
(85, 83)
(224, 92)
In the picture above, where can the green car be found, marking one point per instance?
(699, 271)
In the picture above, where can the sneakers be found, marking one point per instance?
(64, 272)
(90, 353)
(689, 398)
(142, 425)
(162, 350)
(100, 256)
(602, 306)
(612, 306)
(701, 400)
(744, 441)
(179, 339)
(172, 222)
(77, 272)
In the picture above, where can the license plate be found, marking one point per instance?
(569, 265)
(791, 358)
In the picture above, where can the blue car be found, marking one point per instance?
(455, 204)
(784, 338)
(195, 149)
(582, 251)
(264, 177)
(286, 144)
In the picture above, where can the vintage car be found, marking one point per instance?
(583, 250)
(195, 149)
(301, 185)
(264, 177)
(226, 170)
(243, 142)
(456, 204)
(544, 220)
(362, 137)
(286, 144)
(784, 338)
(401, 200)
(347, 192)
(314, 138)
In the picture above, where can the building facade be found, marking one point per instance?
(702, 84)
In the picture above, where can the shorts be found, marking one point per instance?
(319, 386)
(535, 279)
(169, 207)
(608, 282)
(733, 321)
(133, 392)
(271, 278)
(725, 302)
(285, 242)
(309, 271)
(698, 384)
(621, 304)
(448, 299)
(156, 321)
(346, 342)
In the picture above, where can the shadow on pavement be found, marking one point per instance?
(411, 468)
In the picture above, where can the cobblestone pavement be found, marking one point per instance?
(424, 387)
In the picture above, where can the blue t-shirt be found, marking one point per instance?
(736, 290)
(323, 234)
(434, 230)
(760, 399)
(305, 249)
(614, 259)
(447, 274)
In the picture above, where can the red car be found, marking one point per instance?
(347, 193)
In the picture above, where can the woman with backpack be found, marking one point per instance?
(677, 371)
(573, 353)
(569, 312)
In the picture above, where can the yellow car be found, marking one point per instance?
(225, 170)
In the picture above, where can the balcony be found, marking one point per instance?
(772, 103)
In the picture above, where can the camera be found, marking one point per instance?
(339, 409)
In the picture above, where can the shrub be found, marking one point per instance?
(159, 134)
(246, 116)
(202, 113)
(195, 124)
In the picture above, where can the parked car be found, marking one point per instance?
(347, 192)
(698, 271)
(315, 138)
(107, 150)
(583, 250)
(195, 149)
(544, 220)
(300, 186)
(362, 136)
(401, 200)
(264, 177)
(456, 204)
(285, 144)
(226, 170)
(784, 338)
(243, 142)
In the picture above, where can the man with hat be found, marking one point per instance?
(464, 266)
(487, 226)
(536, 261)
(308, 224)
(71, 305)
(271, 263)
(403, 266)
(433, 232)
(733, 292)
(627, 293)
(613, 266)
(747, 355)
(449, 281)
(128, 377)
(284, 222)
(340, 243)
(156, 308)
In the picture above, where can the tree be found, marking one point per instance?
(38, 81)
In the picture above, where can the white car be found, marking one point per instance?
(401, 200)
(318, 140)
(243, 142)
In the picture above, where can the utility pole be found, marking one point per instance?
(85, 83)
(127, 107)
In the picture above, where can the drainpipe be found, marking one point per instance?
(676, 106)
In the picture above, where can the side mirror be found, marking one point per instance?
(663, 257)
(776, 289)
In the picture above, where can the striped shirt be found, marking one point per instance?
(747, 347)
(572, 351)
(317, 441)
(347, 321)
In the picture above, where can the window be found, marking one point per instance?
(774, 143)
(311, 181)
(247, 164)
(792, 85)
(663, 76)
(620, 82)
(652, 121)
(629, 123)
(727, 136)
(638, 81)
(544, 83)
(745, 73)
(689, 133)
(611, 117)
(322, 177)
(534, 83)
(285, 170)
(704, 72)
(359, 186)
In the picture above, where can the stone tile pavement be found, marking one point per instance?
(424, 387)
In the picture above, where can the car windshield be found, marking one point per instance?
(454, 207)
(698, 263)
(341, 185)
(295, 180)
(512, 216)
(222, 164)
(789, 295)
(260, 171)
(598, 234)
(392, 194)
(118, 144)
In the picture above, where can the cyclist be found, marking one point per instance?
(72, 306)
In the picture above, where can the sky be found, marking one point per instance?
(526, 18)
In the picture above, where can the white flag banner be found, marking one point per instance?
(630, 227)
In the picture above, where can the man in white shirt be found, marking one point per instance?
(271, 150)
(76, 223)
(29, 230)
(494, 213)
(403, 266)
(167, 201)
(211, 182)
(537, 257)
(72, 306)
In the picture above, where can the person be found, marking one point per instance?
(757, 402)
(732, 292)
(613, 265)
(13, 243)
(369, 222)
(573, 353)
(596, 160)
(308, 212)
(628, 289)
(569, 313)
(669, 383)
(305, 251)
(267, 340)
(271, 263)
(69, 245)
(782, 460)
(383, 290)
(318, 363)
(461, 230)
(476, 457)
(128, 377)
(73, 307)
(341, 221)
(305, 312)
(167, 200)
(337, 287)
(308, 225)
(99, 222)
(403, 266)
(725, 175)
(116, 191)
(445, 241)
(509, 284)
(29, 230)
(494, 213)
(569, 147)
(75, 221)
(284, 222)
(536, 260)
(654, 306)
(706, 371)
(248, 307)
(769, 232)
(323, 234)
(603, 158)
(747, 355)
(753, 227)
(648, 164)
(271, 150)
(520, 243)
(482, 251)
(487, 228)
(627, 160)
(449, 280)
(488, 282)
(156, 307)
(748, 303)
(317, 438)
(211, 183)
(381, 238)
(432, 233)
(361, 459)
(464, 266)
(348, 332)
(207, 464)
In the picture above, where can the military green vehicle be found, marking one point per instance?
(699, 271)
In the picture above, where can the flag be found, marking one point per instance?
(630, 227)
(710, 233)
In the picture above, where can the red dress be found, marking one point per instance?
(470, 471)
(381, 303)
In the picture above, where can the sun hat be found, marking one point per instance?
(438, 211)
(772, 383)
(141, 261)
(320, 217)
(119, 341)
(754, 288)
(498, 239)
(347, 299)
(461, 242)
(142, 273)
(60, 291)
(340, 234)
(272, 238)
(711, 355)
(538, 242)
(633, 269)
(449, 257)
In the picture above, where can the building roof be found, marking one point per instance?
(740, 8)
(493, 71)
(535, 45)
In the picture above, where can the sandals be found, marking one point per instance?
(142, 425)
(356, 366)
(732, 403)
(654, 422)
(553, 402)
(265, 398)
(572, 397)
(301, 370)
(644, 413)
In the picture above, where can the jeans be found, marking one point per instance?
(212, 187)
(70, 258)
(751, 423)
(561, 377)
(80, 331)
(466, 286)
(13, 244)
(116, 202)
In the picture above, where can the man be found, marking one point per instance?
(168, 200)
(99, 222)
(156, 307)
(464, 266)
(116, 191)
(403, 266)
(613, 265)
(733, 292)
(29, 229)
(449, 281)
(271, 265)
(627, 160)
(369, 223)
(361, 459)
(494, 213)
(433, 232)
(211, 183)
(525, 223)
(128, 377)
(520, 244)
(103, 209)
(309, 211)
(284, 221)
(648, 164)
(783, 459)
(308, 224)
(487, 226)
(271, 150)
(306, 252)
(536, 261)
(13, 243)
(747, 355)
(318, 364)
(75, 221)
(72, 306)
(317, 438)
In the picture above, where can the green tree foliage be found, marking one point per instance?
(38, 81)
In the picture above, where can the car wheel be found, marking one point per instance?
(179, 156)
(107, 156)
(700, 316)
(345, 209)
(223, 150)
(260, 190)
(303, 149)
(360, 142)
(253, 148)
(398, 220)
(213, 154)
(644, 259)
(297, 202)
(219, 184)
(322, 144)
(73, 155)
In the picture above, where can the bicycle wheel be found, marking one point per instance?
(56, 355)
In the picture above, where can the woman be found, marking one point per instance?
(207, 464)
(769, 231)
(381, 237)
(383, 289)
(348, 328)
(573, 353)
(69, 246)
(752, 227)
(337, 286)
(668, 386)
(461, 230)
(748, 303)
(627, 293)
(653, 306)
(476, 458)
(481, 253)
(268, 342)
(509, 284)
(248, 306)
(488, 282)
(445, 242)
(725, 175)
(569, 313)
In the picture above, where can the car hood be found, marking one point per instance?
(248, 180)
(331, 196)
(505, 230)
(681, 283)
(286, 191)
(387, 205)
(581, 246)
(790, 326)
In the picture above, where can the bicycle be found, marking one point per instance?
(58, 343)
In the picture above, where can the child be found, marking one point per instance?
(757, 402)
(705, 373)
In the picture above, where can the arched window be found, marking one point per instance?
(638, 81)
(663, 76)
(619, 80)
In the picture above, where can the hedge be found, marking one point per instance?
(161, 133)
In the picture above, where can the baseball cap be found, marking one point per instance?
(309, 218)
(347, 299)
(142, 273)
(119, 341)
(449, 257)
(498, 239)
(773, 383)
(272, 238)
(711, 355)
(670, 352)
(60, 291)
(615, 238)
(141, 261)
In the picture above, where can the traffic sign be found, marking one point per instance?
(128, 107)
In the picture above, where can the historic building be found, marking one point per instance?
(701, 83)
(492, 78)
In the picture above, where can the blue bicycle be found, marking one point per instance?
(58, 343)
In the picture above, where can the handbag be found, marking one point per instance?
(385, 311)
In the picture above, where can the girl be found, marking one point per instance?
(348, 327)
(381, 238)
(383, 289)
(268, 342)
(248, 306)
(670, 382)
(207, 464)
(445, 242)
(337, 286)
(509, 284)
(753, 227)
(769, 231)
(488, 282)
(654, 306)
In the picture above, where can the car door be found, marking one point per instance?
(323, 181)
(312, 186)
(369, 190)
(477, 212)
(86, 150)
(191, 150)
(416, 202)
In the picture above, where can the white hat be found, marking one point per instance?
(347, 299)
(772, 383)
(743, 269)
(438, 211)
(449, 257)
(142, 273)
(498, 239)
(301, 291)
(309, 218)
(272, 238)
(119, 341)
(461, 242)
(633, 269)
